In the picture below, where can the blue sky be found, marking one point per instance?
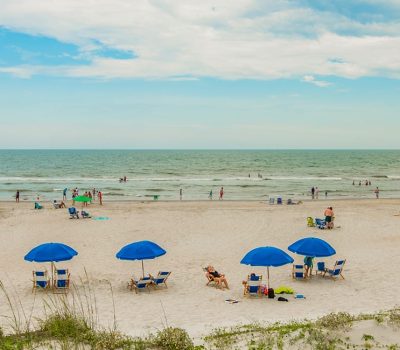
(211, 74)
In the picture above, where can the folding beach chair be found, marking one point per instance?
(73, 213)
(310, 222)
(320, 268)
(40, 280)
(61, 280)
(279, 200)
(321, 224)
(336, 271)
(141, 284)
(85, 214)
(271, 200)
(298, 271)
(253, 285)
(161, 278)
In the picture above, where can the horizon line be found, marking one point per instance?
(199, 149)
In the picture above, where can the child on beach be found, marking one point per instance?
(221, 194)
(17, 197)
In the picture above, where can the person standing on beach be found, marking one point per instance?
(221, 194)
(94, 193)
(312, 192)
(316, 192)
(329, 217)
(100, 196)
(326, 194)
(17, 197)
(65, 194)
(180, 194)
(377, 193)
(210, 195)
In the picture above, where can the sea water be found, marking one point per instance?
(244, 174)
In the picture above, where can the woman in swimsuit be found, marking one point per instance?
(217, 277)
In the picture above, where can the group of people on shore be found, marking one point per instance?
(315, 193)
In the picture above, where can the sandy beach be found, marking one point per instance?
(195, 234)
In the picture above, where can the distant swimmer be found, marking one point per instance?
(221, 193)
(353, 183)
(180, 194)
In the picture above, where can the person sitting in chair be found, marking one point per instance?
(219, 278)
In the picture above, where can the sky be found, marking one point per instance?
(157, 74)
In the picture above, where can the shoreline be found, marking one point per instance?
(105, 201)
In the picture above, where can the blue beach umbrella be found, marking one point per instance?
(51, 252)
(313, 247)
(266, 256)
(142, 250)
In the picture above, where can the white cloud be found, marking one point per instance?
(224, 39)
(310, 79)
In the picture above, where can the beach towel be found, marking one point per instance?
(101, 218)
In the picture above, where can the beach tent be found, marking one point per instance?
(142, 250)
(51, 252)
(313, 247)
(266, 256)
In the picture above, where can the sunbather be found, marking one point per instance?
(219, 278)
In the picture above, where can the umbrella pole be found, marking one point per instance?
(52, 274)
(142, 269)
(268, 276)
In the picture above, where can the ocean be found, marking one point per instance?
(244, 174)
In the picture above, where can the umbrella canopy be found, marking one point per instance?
(313, 247)
(266, 256)
(142, 250)
(82, 199)
(51, 252)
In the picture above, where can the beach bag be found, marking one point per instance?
(271, 293)
(282, 299)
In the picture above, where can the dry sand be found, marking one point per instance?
(196, 234)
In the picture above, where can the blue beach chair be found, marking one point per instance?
(73, 213)
(161, 278)
(253, 285)
(279, 200)
(141, 284)
(337, 270)
(40, 280)
(61, 280)
(321, 224)
(298, 271)
(320, 268)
